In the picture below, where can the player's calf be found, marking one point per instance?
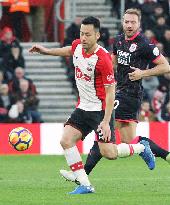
(108, 150)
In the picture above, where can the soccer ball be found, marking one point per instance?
(20, 138)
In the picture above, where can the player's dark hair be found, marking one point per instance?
(135, 11)
(93, 21)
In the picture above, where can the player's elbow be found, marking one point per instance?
(166, 67)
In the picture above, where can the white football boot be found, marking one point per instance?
(69, 176)
(168, 158)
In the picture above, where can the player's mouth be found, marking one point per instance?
(84, 44)
(129, 30)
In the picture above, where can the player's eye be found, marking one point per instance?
(85, 34)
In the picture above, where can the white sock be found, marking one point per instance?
(125, 150)
(168, 158)
(74, 161)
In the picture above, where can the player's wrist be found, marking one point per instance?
(106, 121)
(46, 51)
(144, 73)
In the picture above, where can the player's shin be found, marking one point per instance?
(125, 150)
(74, 161)
(93, 158)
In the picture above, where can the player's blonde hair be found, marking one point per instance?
(135, 11)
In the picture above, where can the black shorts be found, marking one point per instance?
(129, 106)
(87, 121)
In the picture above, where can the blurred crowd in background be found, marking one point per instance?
(18, 95)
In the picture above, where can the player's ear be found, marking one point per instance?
(98, 35)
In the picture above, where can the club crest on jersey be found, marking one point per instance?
(89, 69)
(90, 66)
(133, 47)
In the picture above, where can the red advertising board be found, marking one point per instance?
(159, 133)
(47, 136)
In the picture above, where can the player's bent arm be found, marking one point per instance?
(162, 66)
(110, 97)
(114, 59)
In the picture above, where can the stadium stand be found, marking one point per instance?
(53, 87)
(100, 9)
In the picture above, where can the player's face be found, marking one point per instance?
(88, 37)
(131, 24)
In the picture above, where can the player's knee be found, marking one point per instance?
(65, 143)
(62, 143)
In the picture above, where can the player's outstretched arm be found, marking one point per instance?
(64, 51)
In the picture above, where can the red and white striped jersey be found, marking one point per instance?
(92, 73)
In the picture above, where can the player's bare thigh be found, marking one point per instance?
(127, 130)
(70, 136)
(108, 150)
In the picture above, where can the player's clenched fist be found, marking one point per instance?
(39, 49)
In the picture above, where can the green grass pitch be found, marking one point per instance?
(35, 180)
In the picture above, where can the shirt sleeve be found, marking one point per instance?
(107, 70)
(152, 52)
(74, 45)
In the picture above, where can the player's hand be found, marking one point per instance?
(104, 129)
(137, 74)
(38, 49)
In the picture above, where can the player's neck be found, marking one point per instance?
(91, 50)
